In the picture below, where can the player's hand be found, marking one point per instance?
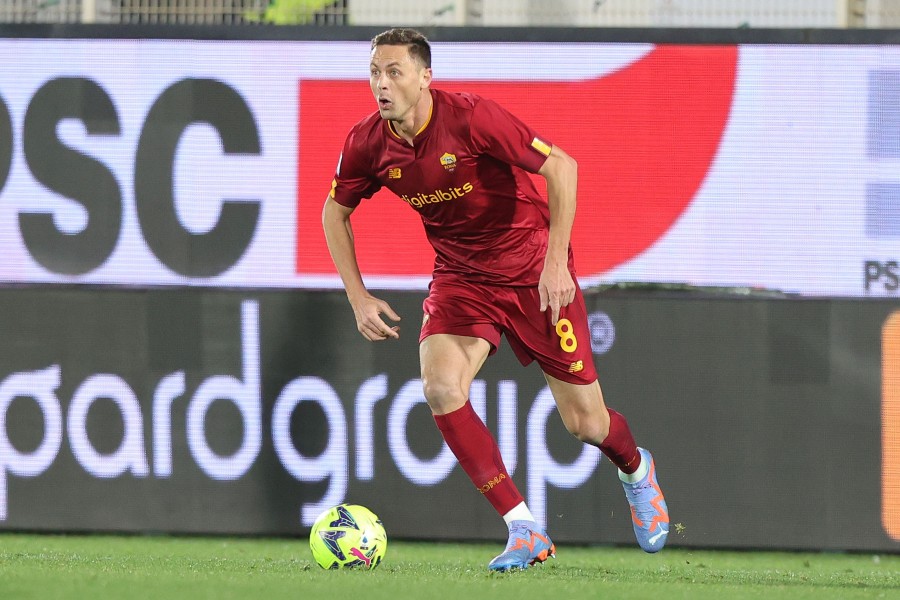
(368, 311)
(556, 288)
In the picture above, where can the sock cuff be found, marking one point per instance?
(519, 512)
(641, 472)
(455, 418)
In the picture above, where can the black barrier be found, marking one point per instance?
(209, 411)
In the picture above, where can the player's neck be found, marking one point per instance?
(409, 128)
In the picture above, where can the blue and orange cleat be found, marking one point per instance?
(649, 513)
(528, 544)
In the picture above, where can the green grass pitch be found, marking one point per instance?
(132, 567)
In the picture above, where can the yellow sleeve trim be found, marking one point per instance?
(541, 146)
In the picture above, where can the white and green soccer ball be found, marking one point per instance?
(348, 536)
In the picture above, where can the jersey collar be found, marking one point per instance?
(424, 126)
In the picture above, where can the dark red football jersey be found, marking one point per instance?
(467, 177)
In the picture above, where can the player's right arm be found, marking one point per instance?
(366, 308)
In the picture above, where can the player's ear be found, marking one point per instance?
(425, 79)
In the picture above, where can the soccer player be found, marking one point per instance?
(503, 265)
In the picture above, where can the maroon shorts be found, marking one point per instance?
(486, 311)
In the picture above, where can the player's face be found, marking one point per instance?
(398, 81)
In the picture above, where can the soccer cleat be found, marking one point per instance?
(649, 513)
(528, 544)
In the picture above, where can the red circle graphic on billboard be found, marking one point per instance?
(644, 136)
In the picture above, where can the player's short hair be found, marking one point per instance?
(419, 48)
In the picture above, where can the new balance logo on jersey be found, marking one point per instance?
(576, 366)
(394, 173)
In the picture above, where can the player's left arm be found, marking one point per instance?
(556, 285)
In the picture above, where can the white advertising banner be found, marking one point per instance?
(175, 162)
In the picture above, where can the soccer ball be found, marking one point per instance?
(348, 536)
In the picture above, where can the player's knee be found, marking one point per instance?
(590, 429)
(443, 396)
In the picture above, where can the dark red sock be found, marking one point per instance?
(619, 445)
(479, 456)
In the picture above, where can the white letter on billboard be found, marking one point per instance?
(171, 387)
(507, 417)
(130, 453)
(39, 385)
(332, 462)
(421, 472)
(246, 396)
(478, 398)
(371, 391)
(542, 468)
